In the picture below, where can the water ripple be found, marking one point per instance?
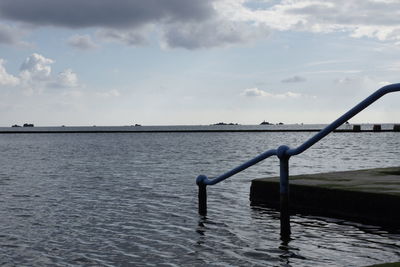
(130, 200)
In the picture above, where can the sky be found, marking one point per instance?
(196, 62)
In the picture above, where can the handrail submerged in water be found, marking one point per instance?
(284, 152)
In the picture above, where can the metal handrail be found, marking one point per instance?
(284, 152)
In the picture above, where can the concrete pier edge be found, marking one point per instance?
(370, 196)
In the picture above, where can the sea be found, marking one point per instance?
(130, 199)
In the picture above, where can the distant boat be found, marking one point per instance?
(265, 123)
(16, 125)
(28, 125)
(136, 125)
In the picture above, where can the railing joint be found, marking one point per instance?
(282, 152)
(200, 180)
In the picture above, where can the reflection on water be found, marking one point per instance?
(131, 200)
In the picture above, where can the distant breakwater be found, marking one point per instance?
(192, 131)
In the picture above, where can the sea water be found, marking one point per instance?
(130, 199)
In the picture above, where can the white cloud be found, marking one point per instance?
(36, 76)
(255, 92)
(82, 42)
(369, 18)
(7, 79)
(67, 78)
(36, 67)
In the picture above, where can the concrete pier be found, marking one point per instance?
(369, 196)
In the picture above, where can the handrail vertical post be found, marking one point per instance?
(202, 199)
(202, 196)
(284, 192)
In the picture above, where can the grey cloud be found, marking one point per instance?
(350, 12)
(294, 79)
(104, 13)
(212, 33)
(182, 23)
(82, 42)
(10, 35)
(134, 38)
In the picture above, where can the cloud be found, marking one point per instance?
(82, 42)
(11, 35)
(211, 33)
(104, 13)
(35, 76)
(67, 78)
(36, 67)
(181, 23)
(5, 78)
(294, 79)
(374, 19)
(255, 92)
(127, 37)
(203, 24)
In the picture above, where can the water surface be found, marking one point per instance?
(131, 200)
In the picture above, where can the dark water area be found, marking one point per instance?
(131, 200)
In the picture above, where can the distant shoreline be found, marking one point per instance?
(346, 128)
(192, 131)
